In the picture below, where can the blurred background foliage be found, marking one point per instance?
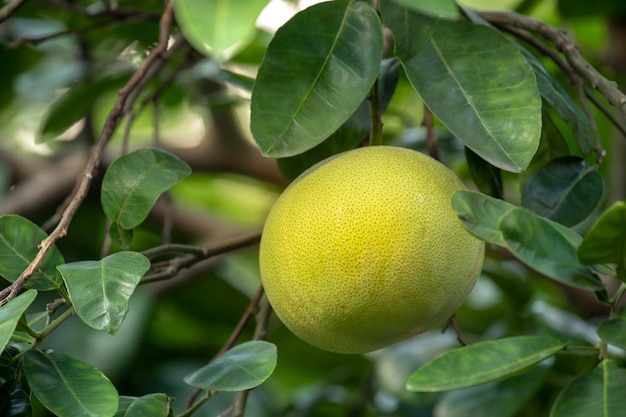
(56, 94)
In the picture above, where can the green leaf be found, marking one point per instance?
(218, 28)
(547, 247)
(487, 178)
(597, 393)
(475, 81)
(481, 214)
(100, 290)
(133, 182)
(19, 241)
(243, 367)
(565, 190)
(483, 362)
(69, 387)
(560, 100)
(10, 314)
(120, 237)
(606, 240)
(317, 70)
(351, 133)
(150, 405)
(70, 107)
(613, 331)
(436, 8)
(502, 398)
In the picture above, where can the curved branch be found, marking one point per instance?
(155, 59)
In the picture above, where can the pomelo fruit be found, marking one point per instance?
(364, 250)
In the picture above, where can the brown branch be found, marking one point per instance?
(431, 139)
(111, 124)
(569, 49)
(10, 9)
(171, 268)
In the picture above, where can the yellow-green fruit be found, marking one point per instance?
(364, 250)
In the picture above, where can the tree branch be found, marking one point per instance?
(139, 78)
(10, 9)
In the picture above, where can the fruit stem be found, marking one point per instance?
(376, 130)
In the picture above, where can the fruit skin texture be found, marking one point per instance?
(364, 250)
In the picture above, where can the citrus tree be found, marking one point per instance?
(145, 142)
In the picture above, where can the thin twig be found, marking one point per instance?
(110, 125)
(376, 129)
(431, 138)
(168, 269)
(618, 122)
(452, 323)
(243, 321)
(260, 333)
(10, 9)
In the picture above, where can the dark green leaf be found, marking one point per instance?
(597, 393)
(133, 182)
(613, 331)
(606, 240)
(100, 290)
(10, 314)
(317, 70)
(565, 190)
(120, 237)
(577, 8)
(547, 247)
(70, 107)
(481, 214)
(502, 398)
(19, 241)
(559, 99)
(69, 387)
(243, 367)
(491, 101)
(483, 362)
(218, 27)
(436, 8)
(487, 178)
(151, 405)
(18, 404)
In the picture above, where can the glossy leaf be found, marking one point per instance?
(133, 182)
(475, 81)
(100, 290)
(243, 367)
(19, 241)
(606, 240)
(150, 405)
(17, 404)
(351, 133)
(560, 100)
(218, 28)
(121, 238)
(436, 8)
(69, 387)
(613, 331)
(547, 247)
(502, 398)
(10, 314)
(565, 190)
(317, 70)
(481, 214)
(482, 362)
(597, 393)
